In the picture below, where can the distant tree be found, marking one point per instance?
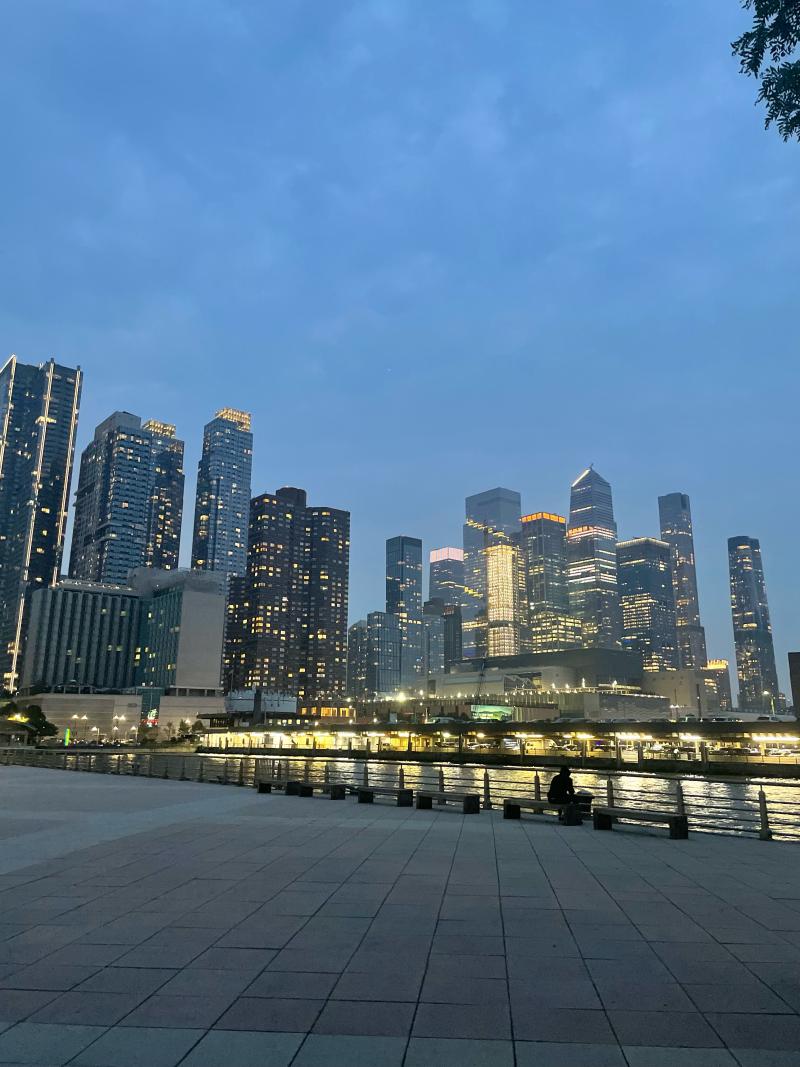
(775, 34)
(148, 735)
(33, 716)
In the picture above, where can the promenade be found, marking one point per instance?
(162, 923)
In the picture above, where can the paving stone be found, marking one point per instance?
(243, 1049)
(485, 1021)
(183, 1012)
(129, 1047)
(143, 980)
(568, 1025)
(40, 1043)
(444, 1052)
(757, 1031)
(674, 1029)
(368, 1019)
(270, 1013)
(326, 1050)
(678, 1057)
(46, 975)
(378, 986)
(548, 1054)
(301, 985)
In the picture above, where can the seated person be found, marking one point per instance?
(561, 790)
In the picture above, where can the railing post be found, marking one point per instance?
(401, 778)
(326, 774)
(166, 768)
(610, 793)
(365, 775)
(200, 770)
(119, 765)
(537, 786)
(306, 771)
(680, 803)
(441, 784)
(183, 769)
(240, 776)
(150, 765)
(225, 771)
(487, 797)
(765, 834)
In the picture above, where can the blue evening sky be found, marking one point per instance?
(433, 245)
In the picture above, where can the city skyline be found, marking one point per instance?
(403, 234)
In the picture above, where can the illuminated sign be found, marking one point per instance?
(491, 712)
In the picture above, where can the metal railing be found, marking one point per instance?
(749, 814)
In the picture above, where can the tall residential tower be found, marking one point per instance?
(223, 494)
(38, 420)
(492, 573)
(647, 601)
(675, 517)
(404, 599)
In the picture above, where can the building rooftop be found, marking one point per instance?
(172, 922)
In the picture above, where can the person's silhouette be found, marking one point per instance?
(561, 790)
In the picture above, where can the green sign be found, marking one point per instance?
(491, 712)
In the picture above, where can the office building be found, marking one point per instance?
(676, 529)
(357, 660)
(502, 599)
(222, 503)
(404, 599)
(447, 575)
(129, 503)
(544, 550)
(592, 561)
(492, 519)
(384, 638)
(83, 635)
(298, 571)
(38, 421)
(237, 608)
(717, 670)
(647, 601)
(434, 639)
(752, 631)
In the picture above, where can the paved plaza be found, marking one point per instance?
(158, 923)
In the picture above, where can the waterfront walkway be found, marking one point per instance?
(164, 923)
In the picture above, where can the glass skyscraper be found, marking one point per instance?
(38, 421)
(129, 504)
(384, 648)
(492, 520)
(752, 630)
(447, 575)
(676, 529)
(357, 659)
(592, 561)
(404, 599)
(647, 601)
(222, 503)
(544, 547)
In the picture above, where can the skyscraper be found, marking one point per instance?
(647, 601)
(38, 420)
(752, 631)
(384, 643)
(492, 519)
(404, 599)
(222, 503)
(165, 507)
(450, 616)
(447, 575)
(592, 561)
(129, 504)
(357, 660)
(544, 547)
(297, 584)
(676, 529)
(433, 637)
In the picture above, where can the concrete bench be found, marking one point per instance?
(514, 806)
(604, 819)
(367, 793)
(470, 802)
(291, 788)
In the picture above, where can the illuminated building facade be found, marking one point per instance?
(404, 599)
(129, 503)
(38, 421)
(222, 503)
(492, 518)
(165, 505)
(592, 561)
(717, 670)
(357, 660)
(647, 601)
(544, 548)
(752, 630)
(384, 641)
(237, 610)
(298, 574)
(502, 599)
(675, 516)
(447, 575)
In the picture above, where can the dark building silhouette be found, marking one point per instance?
(404, 599)
(295, 623)
(794, 679)
(38, 421)
(752, 630)
(357, 660)
(675, 517)
(544, 551)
